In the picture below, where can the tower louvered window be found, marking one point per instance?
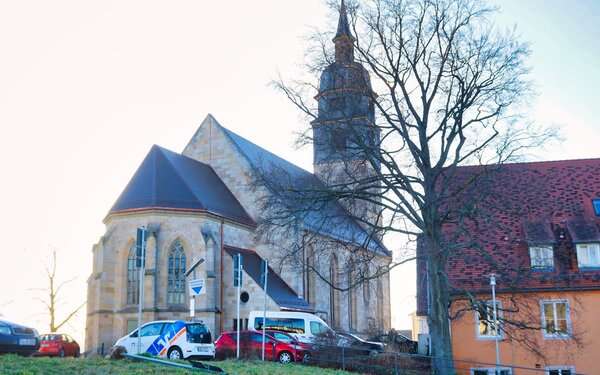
(132, 277)
(176, 275)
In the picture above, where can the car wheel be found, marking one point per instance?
(175, 354)
(373, 353)
(285, 357)
(77, 353)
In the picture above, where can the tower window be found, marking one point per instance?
(596, 203)
(338, 139)
(337, 104)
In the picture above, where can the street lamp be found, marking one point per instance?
(496, 328)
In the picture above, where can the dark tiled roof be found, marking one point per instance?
(538, 232)
(583, 230)
(557, 194)
(169, 180)
(330, 218)
(277, 289)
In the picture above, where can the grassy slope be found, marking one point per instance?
(11, 364)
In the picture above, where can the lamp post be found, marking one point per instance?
(496, 328)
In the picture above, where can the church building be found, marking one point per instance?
(202, 204)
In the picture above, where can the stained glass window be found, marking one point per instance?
(176, 275)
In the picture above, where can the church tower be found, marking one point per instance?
(344, 133)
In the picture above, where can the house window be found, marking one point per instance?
(490, 371)
(596, 203)
(542, 257)
(486, 327)
(132, 277)
(588, 255)
(560, 370)
(176, 275)
(555, 318)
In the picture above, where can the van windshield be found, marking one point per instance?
(290, 325)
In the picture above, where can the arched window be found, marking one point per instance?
(334, 307)
(133, 273)
(310, 292)
(176, 275)
(352, 308)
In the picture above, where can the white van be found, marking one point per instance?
(173, 339)
(304, 326)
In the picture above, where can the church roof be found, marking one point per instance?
(168, 180)
(277, 288)
(330, 218)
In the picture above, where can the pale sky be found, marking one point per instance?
(86, 88)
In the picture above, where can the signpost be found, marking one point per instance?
(237, 281)
(196, 287)
(263, 278)
(140, 249)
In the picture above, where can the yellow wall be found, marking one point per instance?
(580, 351)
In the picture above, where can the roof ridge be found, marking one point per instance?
(560, 161)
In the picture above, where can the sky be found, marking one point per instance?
(86, 88)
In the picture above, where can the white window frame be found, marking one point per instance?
(569, 368)
(595, 246)
(500, 324)
(546, 256)
(549, 335)
(490, 370)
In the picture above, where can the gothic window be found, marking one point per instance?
(132, 277)
(352, 308)
(334, 309)
(310, 292)
(176, 275)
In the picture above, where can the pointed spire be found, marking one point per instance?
(343, 25)
(344, 41)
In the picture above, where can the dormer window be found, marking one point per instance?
(588, 255)
(542, 257)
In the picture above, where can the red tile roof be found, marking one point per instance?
(528, 203)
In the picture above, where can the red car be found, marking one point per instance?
(57, 344)
(251, 345)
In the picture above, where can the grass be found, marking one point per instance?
(12, 364)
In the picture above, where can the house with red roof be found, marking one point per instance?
(537, 230)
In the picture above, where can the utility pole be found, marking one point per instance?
(496, 328)
(264, 277)
(237, 281)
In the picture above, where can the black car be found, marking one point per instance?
(15, 338)
(397, 342)
(359, 346)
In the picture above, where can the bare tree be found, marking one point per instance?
(52, 292)
(448, 90)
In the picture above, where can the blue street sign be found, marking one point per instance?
(264, 271)
(140, 243)
(197, 287)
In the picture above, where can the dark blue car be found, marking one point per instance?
(15, 338)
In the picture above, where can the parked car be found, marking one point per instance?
(58, 344)
(251, 345)
(359, 346)
(15, 338)
(173, 339)
(396, 342)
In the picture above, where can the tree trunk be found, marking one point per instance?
(438, 317)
